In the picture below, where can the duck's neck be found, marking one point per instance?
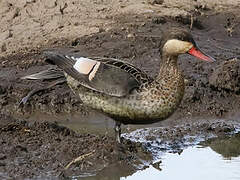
(168, 67)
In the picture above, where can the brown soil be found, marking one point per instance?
(130, 30)
(33, 149)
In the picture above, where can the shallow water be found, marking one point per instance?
(194, 163)
(215, 159)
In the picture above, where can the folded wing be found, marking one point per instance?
(105, 75)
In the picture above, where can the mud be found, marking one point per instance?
(124, 30)
(45, 148)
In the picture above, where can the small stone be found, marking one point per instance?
(130, 35)
(101, 30)
(159, 20)
(108, 29)
(152, 2)
(3, 47)
(30, 1)
(3, 156)
(5, 35)
(2, 164)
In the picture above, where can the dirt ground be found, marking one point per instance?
(126, 29)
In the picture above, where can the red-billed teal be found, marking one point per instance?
(124, 92)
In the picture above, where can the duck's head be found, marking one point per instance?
(178, 41)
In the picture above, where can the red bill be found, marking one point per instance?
(194, 51)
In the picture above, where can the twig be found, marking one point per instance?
(79, 159)
(191, 20)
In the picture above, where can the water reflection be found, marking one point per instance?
(228, 147)
(115, 172)
(215, 159)
(194, 163)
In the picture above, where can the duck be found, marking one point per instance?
(124, 92)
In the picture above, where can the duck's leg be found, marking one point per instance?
(117, 129)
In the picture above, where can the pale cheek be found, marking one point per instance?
(187, 48)
(177, 47)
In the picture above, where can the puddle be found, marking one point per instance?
(193, 163)
(217, 158)
(92, 122)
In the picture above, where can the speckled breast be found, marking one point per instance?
(155, 102)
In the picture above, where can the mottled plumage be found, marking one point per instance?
(124, 92)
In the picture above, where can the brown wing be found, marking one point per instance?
(109, 76)
(137, 73)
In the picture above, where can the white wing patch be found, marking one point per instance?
(85, 65)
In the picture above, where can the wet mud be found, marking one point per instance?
(43, 148)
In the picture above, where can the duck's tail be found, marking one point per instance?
(54, 57)
(55, 75)
(49, 74)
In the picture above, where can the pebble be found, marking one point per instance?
(152, 2)
(130, 35)
(3, 47)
